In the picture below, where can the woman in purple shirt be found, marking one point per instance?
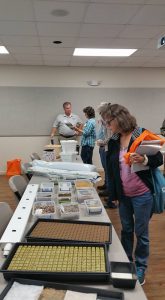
(132, 190)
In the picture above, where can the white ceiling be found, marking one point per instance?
(29, 27)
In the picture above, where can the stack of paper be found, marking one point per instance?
(148, 148)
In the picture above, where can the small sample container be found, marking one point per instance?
(64, 200)
(64, 186)
(47, 187)
(93, 206)
(44, 209)
(123, 274)
(69, 211)
(83, 184)
(85, 194)
(45, 196)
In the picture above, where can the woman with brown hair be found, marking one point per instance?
(132, 190)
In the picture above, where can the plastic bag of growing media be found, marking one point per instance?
(13, 167)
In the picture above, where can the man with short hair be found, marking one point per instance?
(65, 123)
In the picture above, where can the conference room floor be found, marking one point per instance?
(155, 280)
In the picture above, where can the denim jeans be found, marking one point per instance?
(103, 162)
(86, 154)
(135, 214)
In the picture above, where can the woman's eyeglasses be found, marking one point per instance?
(109, 121)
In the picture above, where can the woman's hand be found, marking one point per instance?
(136, 158)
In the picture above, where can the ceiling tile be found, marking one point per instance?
(57, 51)
(57, 61)
(100, 30)
(83, 61)
(44, 11)
(58, 29)
(150, 15)
(134, 31)
(48, 41)
(110, 13)
(19, 40)
(129, 43)
(95, 43)
(30, 63)
(28, 57)
(28, 50)
(17, 28)
(16, 10)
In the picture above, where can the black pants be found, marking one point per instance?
(86, 154)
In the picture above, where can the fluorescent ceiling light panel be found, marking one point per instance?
(103, 52)
(3, 50)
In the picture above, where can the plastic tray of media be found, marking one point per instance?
(40, 260)
(101, 294)
(44, 209)
(31, 236)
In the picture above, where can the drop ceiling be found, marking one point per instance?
(29, 27)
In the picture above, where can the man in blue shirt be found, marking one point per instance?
(88, 135)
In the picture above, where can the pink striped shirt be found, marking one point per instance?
(132, 184)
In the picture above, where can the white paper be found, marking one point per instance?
(148, 149)
(151, 142)
(23, 291)
(121, 275)
(70, 295)
(138, 167)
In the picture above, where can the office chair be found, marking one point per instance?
(5, 216)
(24, 168)
(18, 185)
(34, 156)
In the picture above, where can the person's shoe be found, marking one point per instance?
(141, 275)
(101, 187)
(110, 205)
(103, 193)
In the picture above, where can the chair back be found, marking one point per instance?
(24, 168)
(5, 216)
(34, 156)
(18, 185)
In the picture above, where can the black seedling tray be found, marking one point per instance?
(123, 267)
(57, 275)
(101, 294)
(30, 238)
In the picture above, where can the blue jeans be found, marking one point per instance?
(103, 162)
(86, 154)
(135, 214)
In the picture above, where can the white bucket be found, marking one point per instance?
(68, 156)
(68, 146)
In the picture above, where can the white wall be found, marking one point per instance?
(13, 147)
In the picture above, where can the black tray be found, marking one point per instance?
(45, 239)
(58, 276)
(102, 294)
(123, 267)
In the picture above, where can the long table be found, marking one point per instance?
(116, 251)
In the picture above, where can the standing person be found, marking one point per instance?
(64, 124)
(104, 135)
(88, 135)
(132, 190)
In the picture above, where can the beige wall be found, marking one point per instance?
(12, 147)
